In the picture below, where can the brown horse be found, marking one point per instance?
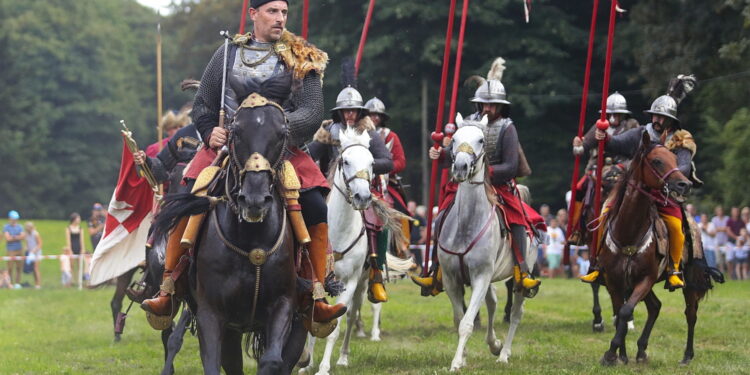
(629, 253)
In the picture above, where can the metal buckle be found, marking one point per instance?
(257, 257)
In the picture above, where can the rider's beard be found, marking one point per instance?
(658, 127)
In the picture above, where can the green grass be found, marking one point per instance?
(66, 331)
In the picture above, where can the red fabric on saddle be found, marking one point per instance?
(372, 221)
(308, 172)
(512, 206)
(671, 210)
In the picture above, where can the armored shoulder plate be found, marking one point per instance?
(253, 60)
(491, 137)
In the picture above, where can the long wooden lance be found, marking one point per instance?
(437, 135)
(243, 16)
(363, 37)
(305, 18)
(581, 121)
(602, 124)
(454, 94)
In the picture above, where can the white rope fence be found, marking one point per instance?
(80, 258)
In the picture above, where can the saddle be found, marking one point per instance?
(693, 248)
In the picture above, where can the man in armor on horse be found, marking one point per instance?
(349, 112)
(506, 162)
(620, 121)
(267, 51)
(664, 129)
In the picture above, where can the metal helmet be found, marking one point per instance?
(491, 91)
(664, 105)
(616, 103)
(349, 98)
(377, 106)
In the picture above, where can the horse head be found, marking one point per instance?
(257, 142)
(658, 170)
(355, 166)
(468, 148)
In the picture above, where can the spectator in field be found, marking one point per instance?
(65, 268)
(418, 233)
(562, 219)
(708, 238)
(690, 210)
(741, 250)
(14, 235)
(34, 249)
(745, 216)
(720, 240)
(545, 213)
(734, 224)
(555, 247)
(96, 224)
(170, 123)
(583, 262)
(74, 238)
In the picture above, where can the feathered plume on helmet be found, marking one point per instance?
(666, 105)
(189, 84)
(491, 89)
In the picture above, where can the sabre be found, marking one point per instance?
(222, 113)
(145, 170)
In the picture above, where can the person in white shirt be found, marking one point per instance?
(555, 247)
(708, 238)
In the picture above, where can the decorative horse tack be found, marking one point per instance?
(255, 100)
(257, 163)
(362, 173)
(465, 147)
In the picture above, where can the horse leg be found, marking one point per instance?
(692, 297)
(597, 324)
(278, 328)
(351, 317)
(508, 300)
(610, 356)
(479, 287)
(515, 319)
(231, 352)
(653, 305)
(455, 293)
(352, 288)
(376, 309)
(623, 315)
(174, 341)
(116, 303)
(295, 344)
(359, 325)
(210, 337)
(491, 301)
(307, 361)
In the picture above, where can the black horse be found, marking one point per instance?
(243, 278)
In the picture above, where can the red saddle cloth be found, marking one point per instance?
(516, 211)
(308, 172)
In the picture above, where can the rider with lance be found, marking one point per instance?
(664, 129)
(350, 113)
(267, 51)
(620, 121)
(389, 186)
(506, 163)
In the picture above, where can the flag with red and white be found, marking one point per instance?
(129, 217)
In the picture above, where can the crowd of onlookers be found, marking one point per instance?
(25, 241)
(726, 242)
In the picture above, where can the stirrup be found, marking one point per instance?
(591, 277)
(671, 284)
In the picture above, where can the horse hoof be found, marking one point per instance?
(631, 326)
(598, 327)
(343, 361)
(506, 318)
(496, 347)
(641, 358)
(361, 334)
(685, 361)
(623, 359)
(375, 338)
(609, 359)
(503, 358)
(117, 337)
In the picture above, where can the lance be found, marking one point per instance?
(437, 135)
(159, 97)
(363, 38)
(305, 18)
(602, 124)
(581, 120)
(243, 17)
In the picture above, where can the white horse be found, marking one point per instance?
(349, 196)
(471, 228)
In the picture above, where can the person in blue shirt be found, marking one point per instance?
(14, 235)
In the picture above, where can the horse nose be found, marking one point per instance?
(256, 200)
(362, 197)
(684, 186)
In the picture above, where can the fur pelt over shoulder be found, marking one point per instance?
(298, 54)
(323, 135)
(682, 138)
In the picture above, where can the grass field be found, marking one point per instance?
(66, 331)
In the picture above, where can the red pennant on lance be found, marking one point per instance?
(132, 199)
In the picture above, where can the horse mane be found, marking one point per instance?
(618, 192)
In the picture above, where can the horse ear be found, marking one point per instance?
(646, 139)
(459, 120)
(484, 121)
(344, 137)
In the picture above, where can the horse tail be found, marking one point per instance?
(176, 207)
(699, 276)
(398, 266)
(255, 343)
(391, 219)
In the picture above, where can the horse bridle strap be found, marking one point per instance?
(337, 256)
(629, 250)
(471, 245)
(255, 100)
(362, 173)
(257, 163)
(256, 256)
(465, 147)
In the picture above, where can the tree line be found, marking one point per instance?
(72, 69)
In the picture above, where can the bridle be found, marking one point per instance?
(467, 148)
(662, 198)
(363, 174)
(256, 162)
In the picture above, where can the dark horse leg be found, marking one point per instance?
(210, 336)
(278, 328)
(692, 298)
(231, 352)
(621, 321)
(173, 343)
(295, 344)
(508, 300)
(597, 324)
(653, 305)
(116, 303)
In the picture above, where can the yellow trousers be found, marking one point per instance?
(676, 238)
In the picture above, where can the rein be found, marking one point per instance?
(465, 147)
(363, 174)
(663, 197)
(490, 219)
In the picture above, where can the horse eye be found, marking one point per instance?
(346, 162)
(481, 141)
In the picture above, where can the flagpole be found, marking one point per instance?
(159, 98)
(305, 18)
(363, 38)
(243, 16)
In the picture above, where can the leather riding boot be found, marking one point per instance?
(576, 236)
(322, 311)
(406, 232)
(433, 285)
(676, 243)
(376, 291)
(162, 304)
(521, 272)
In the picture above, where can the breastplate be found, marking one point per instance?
(255, 60)
(491, 135)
